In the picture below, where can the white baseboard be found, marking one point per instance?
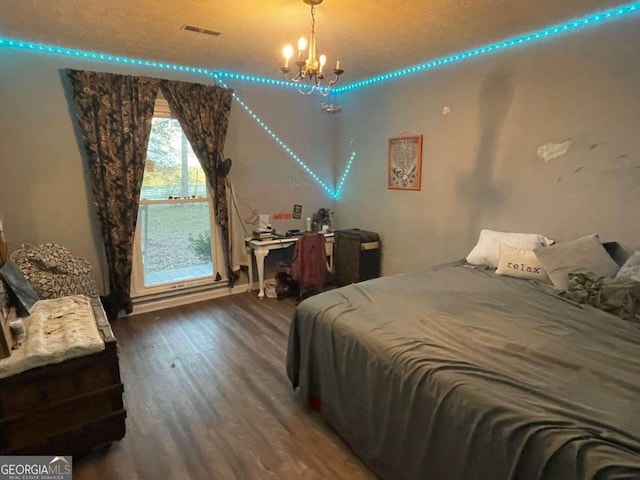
(153, 304)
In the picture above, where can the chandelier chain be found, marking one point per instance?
(312, 43)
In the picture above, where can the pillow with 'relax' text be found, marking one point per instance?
(520, 263)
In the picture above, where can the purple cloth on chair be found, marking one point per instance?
(308, 269)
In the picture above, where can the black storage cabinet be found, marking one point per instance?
(356, 256)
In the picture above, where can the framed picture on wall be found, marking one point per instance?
(405, 163)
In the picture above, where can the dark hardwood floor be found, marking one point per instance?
(207, 397)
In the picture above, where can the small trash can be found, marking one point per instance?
(270, 289)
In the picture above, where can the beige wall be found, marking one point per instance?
(44, 195)
(480, 164)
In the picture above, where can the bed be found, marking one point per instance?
(458, 373)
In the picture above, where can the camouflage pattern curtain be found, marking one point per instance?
(114, 113)
(203, 113)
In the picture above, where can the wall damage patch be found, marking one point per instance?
(553, 150)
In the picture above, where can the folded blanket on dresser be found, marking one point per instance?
(57, 329)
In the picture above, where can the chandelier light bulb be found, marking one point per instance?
(323, 60)
(302, 46)
(287, 51)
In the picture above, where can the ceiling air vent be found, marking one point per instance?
(203, 31)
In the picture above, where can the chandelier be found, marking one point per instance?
(310, 70)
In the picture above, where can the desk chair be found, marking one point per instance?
(307, 271)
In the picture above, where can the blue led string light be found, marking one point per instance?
(263, 81)
(590, 20)
(338, 191)
(72, 52)
(286, 148)
(69, 52)
(572, 25)
(581, 23)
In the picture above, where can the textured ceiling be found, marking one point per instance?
(369, 37)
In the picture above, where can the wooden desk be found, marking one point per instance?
(261, 248)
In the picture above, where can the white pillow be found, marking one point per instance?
(520, 263)
(487, 250)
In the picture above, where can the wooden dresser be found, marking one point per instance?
(65, 408)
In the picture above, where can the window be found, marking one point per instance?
(175, 244)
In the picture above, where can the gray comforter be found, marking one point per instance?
(457, 373)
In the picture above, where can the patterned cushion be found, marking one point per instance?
(631, 268)
(54, 271)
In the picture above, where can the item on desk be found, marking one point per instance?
(321, 219)
(263, 221)
(293, 233)
(308, 225)
(263, 233)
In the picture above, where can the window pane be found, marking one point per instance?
(175, 242)
(175, 235)
(172, 169)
